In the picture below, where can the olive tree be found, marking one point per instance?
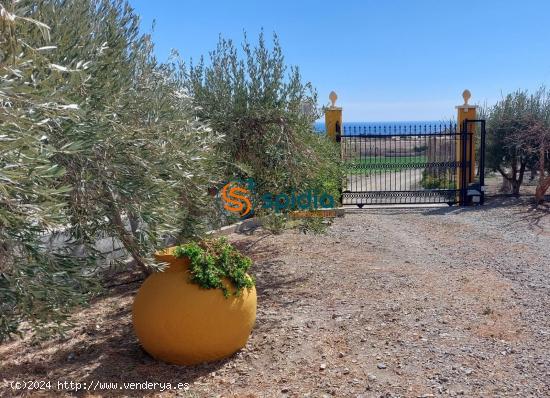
(258, 102)
(508, 119)
(534, 140)
(142, 161)
(97, 139)
(518, 138)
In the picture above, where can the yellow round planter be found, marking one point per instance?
(179, 322)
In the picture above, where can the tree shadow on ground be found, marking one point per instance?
(536, 216)
(117, 358)
(272, 281)
(102, 346)
(512, 202)
(522, 210)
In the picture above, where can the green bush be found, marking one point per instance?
(314, 225)
(212, 261)
(274, 222)
(436, 181)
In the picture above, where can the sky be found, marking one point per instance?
(393, 60)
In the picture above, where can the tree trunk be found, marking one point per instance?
(514, 180)
(520, 176)
(134, 223)
(542, 187)
(516, 185)
(127, 238)
(506, 186)
(129, 242)
(544, 181)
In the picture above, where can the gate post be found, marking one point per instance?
(465, 146)
(333, 119)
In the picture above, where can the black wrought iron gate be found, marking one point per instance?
(401, 164)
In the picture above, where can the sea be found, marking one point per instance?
(406, 127)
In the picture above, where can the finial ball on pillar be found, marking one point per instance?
(333, 97)
(466, 95)
(333, 119)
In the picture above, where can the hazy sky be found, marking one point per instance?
(387, 60)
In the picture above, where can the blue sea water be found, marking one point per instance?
(405, 127)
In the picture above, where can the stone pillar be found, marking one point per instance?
(466, 111)
(333, 119)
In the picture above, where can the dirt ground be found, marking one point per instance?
(390, 303)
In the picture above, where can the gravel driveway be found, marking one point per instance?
(391, 303)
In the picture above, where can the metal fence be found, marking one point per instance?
(401, 164)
